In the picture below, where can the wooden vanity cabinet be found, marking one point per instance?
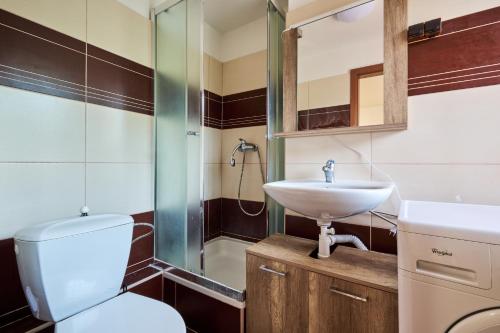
(278, 301)
(292, 293)
(336, 305)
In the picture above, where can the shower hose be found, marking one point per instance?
(239, 187)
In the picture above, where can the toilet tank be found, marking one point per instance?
(70, 265)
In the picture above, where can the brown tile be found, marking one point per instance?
(139, 275)
(36, 29)
(245, 94)
(169, 292)
(152, 288)
(23, 53)
(383, 241)
(213, 96)
(234, 221)
(11, 291)
(299, 226)
(122, 88)
(303, 121)
(455, 54)
(143, 249)
(240, 237)
(205, 314)
(329, 117)
(94, 51)
(26, 324)
(215, 216)
(244, 112)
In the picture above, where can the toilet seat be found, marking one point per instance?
(128, 313)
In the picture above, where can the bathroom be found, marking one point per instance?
(358, 115)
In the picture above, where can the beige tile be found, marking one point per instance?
(212, 144)
(40, 128)
(212, 181)
(206, 65)
(449, 127)
(215, 76)
(319, 149)
(313, 171)
(477, 184)
(245, 73)
(32, 193)
(65, 16)
(303, 96)
(118, 29)
(329, 91)
(251, 186)
(115, 135)
(252, 134)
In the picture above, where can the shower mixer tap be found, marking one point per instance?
(243, 147)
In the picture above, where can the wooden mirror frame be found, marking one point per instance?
(395, 77)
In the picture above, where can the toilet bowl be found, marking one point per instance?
(72, 269)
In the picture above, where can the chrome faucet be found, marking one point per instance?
(329, 170)
(243, 146)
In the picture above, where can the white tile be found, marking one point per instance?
(251, 186)
(212, 145)
(319, 149)
(252, 134)
(212, 181)
(31, 193)
(119, 188)
(40, 128)
(115, 135)
(450, 127)
(477, 184)
(313, 171)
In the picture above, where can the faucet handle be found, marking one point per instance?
(329, 164)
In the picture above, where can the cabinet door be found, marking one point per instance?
(276, 297)
(340, 306)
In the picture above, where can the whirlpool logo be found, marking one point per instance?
(442, 252)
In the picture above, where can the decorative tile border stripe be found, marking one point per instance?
(465, 55)
(39, 59)
(327, 117)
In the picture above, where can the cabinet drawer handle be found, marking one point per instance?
(269, 270)
(333, 290)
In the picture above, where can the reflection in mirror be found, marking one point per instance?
(340, 71)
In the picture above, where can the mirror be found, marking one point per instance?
(330, 54)
(346, 70)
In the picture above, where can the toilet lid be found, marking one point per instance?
(126, 313)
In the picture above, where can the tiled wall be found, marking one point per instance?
(235, 107)
(449, 152)
(57, 151)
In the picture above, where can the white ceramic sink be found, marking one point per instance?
(327, 201)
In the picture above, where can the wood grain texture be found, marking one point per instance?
(290, 80)
(343, 130)
(395, 62)
(331, 312)
(276, 303)
(371, 269)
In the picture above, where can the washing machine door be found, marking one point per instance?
(487, 321)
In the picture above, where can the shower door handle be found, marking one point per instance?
(193, 133)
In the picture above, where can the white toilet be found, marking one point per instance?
(72, 270)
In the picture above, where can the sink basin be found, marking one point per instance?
(328, 201)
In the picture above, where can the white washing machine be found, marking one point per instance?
(448, 268)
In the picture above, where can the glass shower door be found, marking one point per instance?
(178, 195)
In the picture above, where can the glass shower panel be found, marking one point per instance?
(177, 112)
(275, 146)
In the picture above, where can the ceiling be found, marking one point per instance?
(226, 15)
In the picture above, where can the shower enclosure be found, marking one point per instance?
(203, 225)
